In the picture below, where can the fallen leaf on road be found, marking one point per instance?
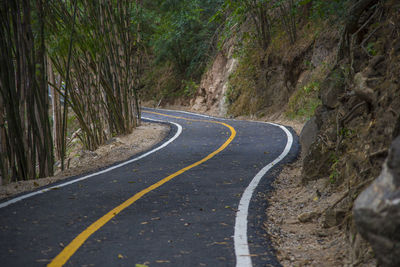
(162, 261)
(120, 256)
(43, 260)
(220, 243)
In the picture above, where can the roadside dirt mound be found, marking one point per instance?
(118, 149)
(301, 233)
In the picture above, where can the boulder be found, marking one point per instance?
(376, 67)
(362, 90)
(316, 164)
(322, 115)
(377, 210)
(332, 89)
(308, 216)
(308, 135)
(333, 217)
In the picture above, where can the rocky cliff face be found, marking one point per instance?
(210, 98)
(355, 126)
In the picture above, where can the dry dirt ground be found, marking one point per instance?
(296, 227)
(117, 149)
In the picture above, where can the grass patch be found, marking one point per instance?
(303, 102)
(243, 94)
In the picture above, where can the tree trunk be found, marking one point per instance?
(55, 87)
(351, 27)
(26, 136)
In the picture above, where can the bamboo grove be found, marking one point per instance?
(86, 53)
(86, 62)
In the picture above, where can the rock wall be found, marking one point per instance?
(356, 123)
(210, 98)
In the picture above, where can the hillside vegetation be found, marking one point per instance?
(331, 64)
(81, 69)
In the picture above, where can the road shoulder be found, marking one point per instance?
(117, 149)
(295, 225)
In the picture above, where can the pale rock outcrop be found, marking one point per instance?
(211, 94)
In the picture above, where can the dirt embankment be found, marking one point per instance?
(310, 214)
(81, 161)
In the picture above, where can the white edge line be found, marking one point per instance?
(178, 132)
(212, 117)
(187, 112)
(243, 257)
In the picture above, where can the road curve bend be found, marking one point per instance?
(196, 199)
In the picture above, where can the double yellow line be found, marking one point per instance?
(72, 247)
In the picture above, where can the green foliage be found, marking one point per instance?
(235, 13)
(334, 172)
(181, 42)
(183, 35)
(325, 9)
(302, 104)
(333, 176)
(189, 87)
(245, 94)
(371, 49)
(160, 81)
(346, 132)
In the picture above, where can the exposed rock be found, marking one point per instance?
(308, 135)
(333, 217)
(316, 163)
(87, 153)
(377, 210)
(322, 115)
(396, 130)
(114, 140)
(308, 216)
(333, 87)
(376, 67)
(210, 96)
(362, 90)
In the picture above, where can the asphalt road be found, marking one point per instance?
(186, 220)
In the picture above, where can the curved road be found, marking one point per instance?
(177, 206)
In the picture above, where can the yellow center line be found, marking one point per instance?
(78, 241)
